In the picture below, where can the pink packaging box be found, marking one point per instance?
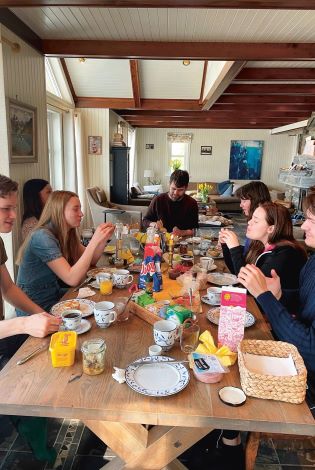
(232, 317)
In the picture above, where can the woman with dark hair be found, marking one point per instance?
(35, 195)
(251, 195)
(272, 297)
(272, 245)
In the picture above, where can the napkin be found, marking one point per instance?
(119, 375)
(207, 346)
(85, 292)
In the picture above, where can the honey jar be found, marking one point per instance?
(93, 356)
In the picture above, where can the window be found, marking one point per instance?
(179, 154)
(55, 151)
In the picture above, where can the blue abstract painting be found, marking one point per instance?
(245, 159)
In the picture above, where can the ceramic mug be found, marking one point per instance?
(122, 278)
(214, 295)
(165, 333)
(104, 314)
(206, 262)
(71, 319)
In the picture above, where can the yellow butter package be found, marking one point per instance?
(62, 348)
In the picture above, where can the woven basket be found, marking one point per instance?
(289, 389)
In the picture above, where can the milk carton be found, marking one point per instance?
(232, 317)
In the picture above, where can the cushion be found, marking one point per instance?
(134, 192)
(222, 187)
(236, 186)
(101, 196)
(228, 191)
(138, 188)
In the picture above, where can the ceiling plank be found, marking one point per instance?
(135, 80)
(276, 73)
(226, 125)
(268, 89)
(222, 81)
(217, 115)
(68, 78)
(248, 4)
(125, 103)
(129, 114)
(263, 107)
(178, 50)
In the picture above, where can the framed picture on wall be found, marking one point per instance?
(22, 132)
(206, 150)
(245, 159)
(95, 145)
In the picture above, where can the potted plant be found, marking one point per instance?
(203, 191)
(175, 164)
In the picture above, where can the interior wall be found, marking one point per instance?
(278, 152)
(24, 80)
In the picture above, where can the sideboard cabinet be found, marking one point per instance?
(119, 175)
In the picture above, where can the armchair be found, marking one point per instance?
(98, 203)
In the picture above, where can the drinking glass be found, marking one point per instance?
(106, 284)
(121, 308)
(134, 246)
(189, 337)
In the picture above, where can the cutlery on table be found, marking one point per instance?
(41, 348)
(86, 281)
(152, 361)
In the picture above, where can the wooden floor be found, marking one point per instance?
(79, 449)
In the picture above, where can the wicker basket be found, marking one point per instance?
(289, 389)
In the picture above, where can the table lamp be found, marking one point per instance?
(148, 174)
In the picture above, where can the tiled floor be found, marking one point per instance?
(79, 449)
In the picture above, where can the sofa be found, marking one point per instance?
(220, 193)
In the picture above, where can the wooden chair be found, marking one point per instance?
(252, 444)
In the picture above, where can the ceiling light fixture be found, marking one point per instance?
(186, 62)
(82, 60)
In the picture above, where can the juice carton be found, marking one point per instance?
(232, 317)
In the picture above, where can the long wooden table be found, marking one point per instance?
(117, 414)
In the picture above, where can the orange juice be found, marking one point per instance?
(106, 286)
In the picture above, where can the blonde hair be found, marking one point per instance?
(53, 219)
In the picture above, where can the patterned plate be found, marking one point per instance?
(222, 279)
(158, 378)
(213, 316)
(86, 306)
(93, 272)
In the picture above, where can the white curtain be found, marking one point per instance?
(132, 155)
(80, 160)
(175, 137)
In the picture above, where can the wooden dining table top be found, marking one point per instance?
(37, 389)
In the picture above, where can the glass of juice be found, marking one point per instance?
(106, 283)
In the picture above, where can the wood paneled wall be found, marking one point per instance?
(278, 152)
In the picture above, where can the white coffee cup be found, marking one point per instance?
(165, 333)
(214, 295)
(155, 350)
(122, 278)
(206, 262)
(71, 319)
(104, 314)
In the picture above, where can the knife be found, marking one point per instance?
(43, 347)
(86, 281)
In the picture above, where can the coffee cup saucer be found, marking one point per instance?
(85, 326)
(205, 299)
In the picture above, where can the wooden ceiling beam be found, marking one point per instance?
(203, 81)
(226, 125)
(92, 102)
(265, 99)
(213, 122)
(125, 103)
(68, 78)
(277, 73)
(219, 115)
(263, 108)
(204, 114)
(247, 4)
(268, 89)
(178, 50)
(135, 81)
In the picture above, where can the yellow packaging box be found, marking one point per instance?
(62, 348)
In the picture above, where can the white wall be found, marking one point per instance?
(24, 80)
(278, 152)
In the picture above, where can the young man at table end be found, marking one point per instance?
(38, 325)
(13, 332)
(174, 210)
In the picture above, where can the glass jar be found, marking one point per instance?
(93, 356)
(183, 248)
(150, 234)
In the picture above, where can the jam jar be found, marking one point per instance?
(183, 248)
(93, 356)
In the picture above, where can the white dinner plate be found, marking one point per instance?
(205, 300)
(86, 306)
(85, 326)
(222, 279)
(213, 316)
(159, 378)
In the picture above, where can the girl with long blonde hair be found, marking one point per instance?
(53, 250)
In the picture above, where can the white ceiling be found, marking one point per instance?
(143, 24)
